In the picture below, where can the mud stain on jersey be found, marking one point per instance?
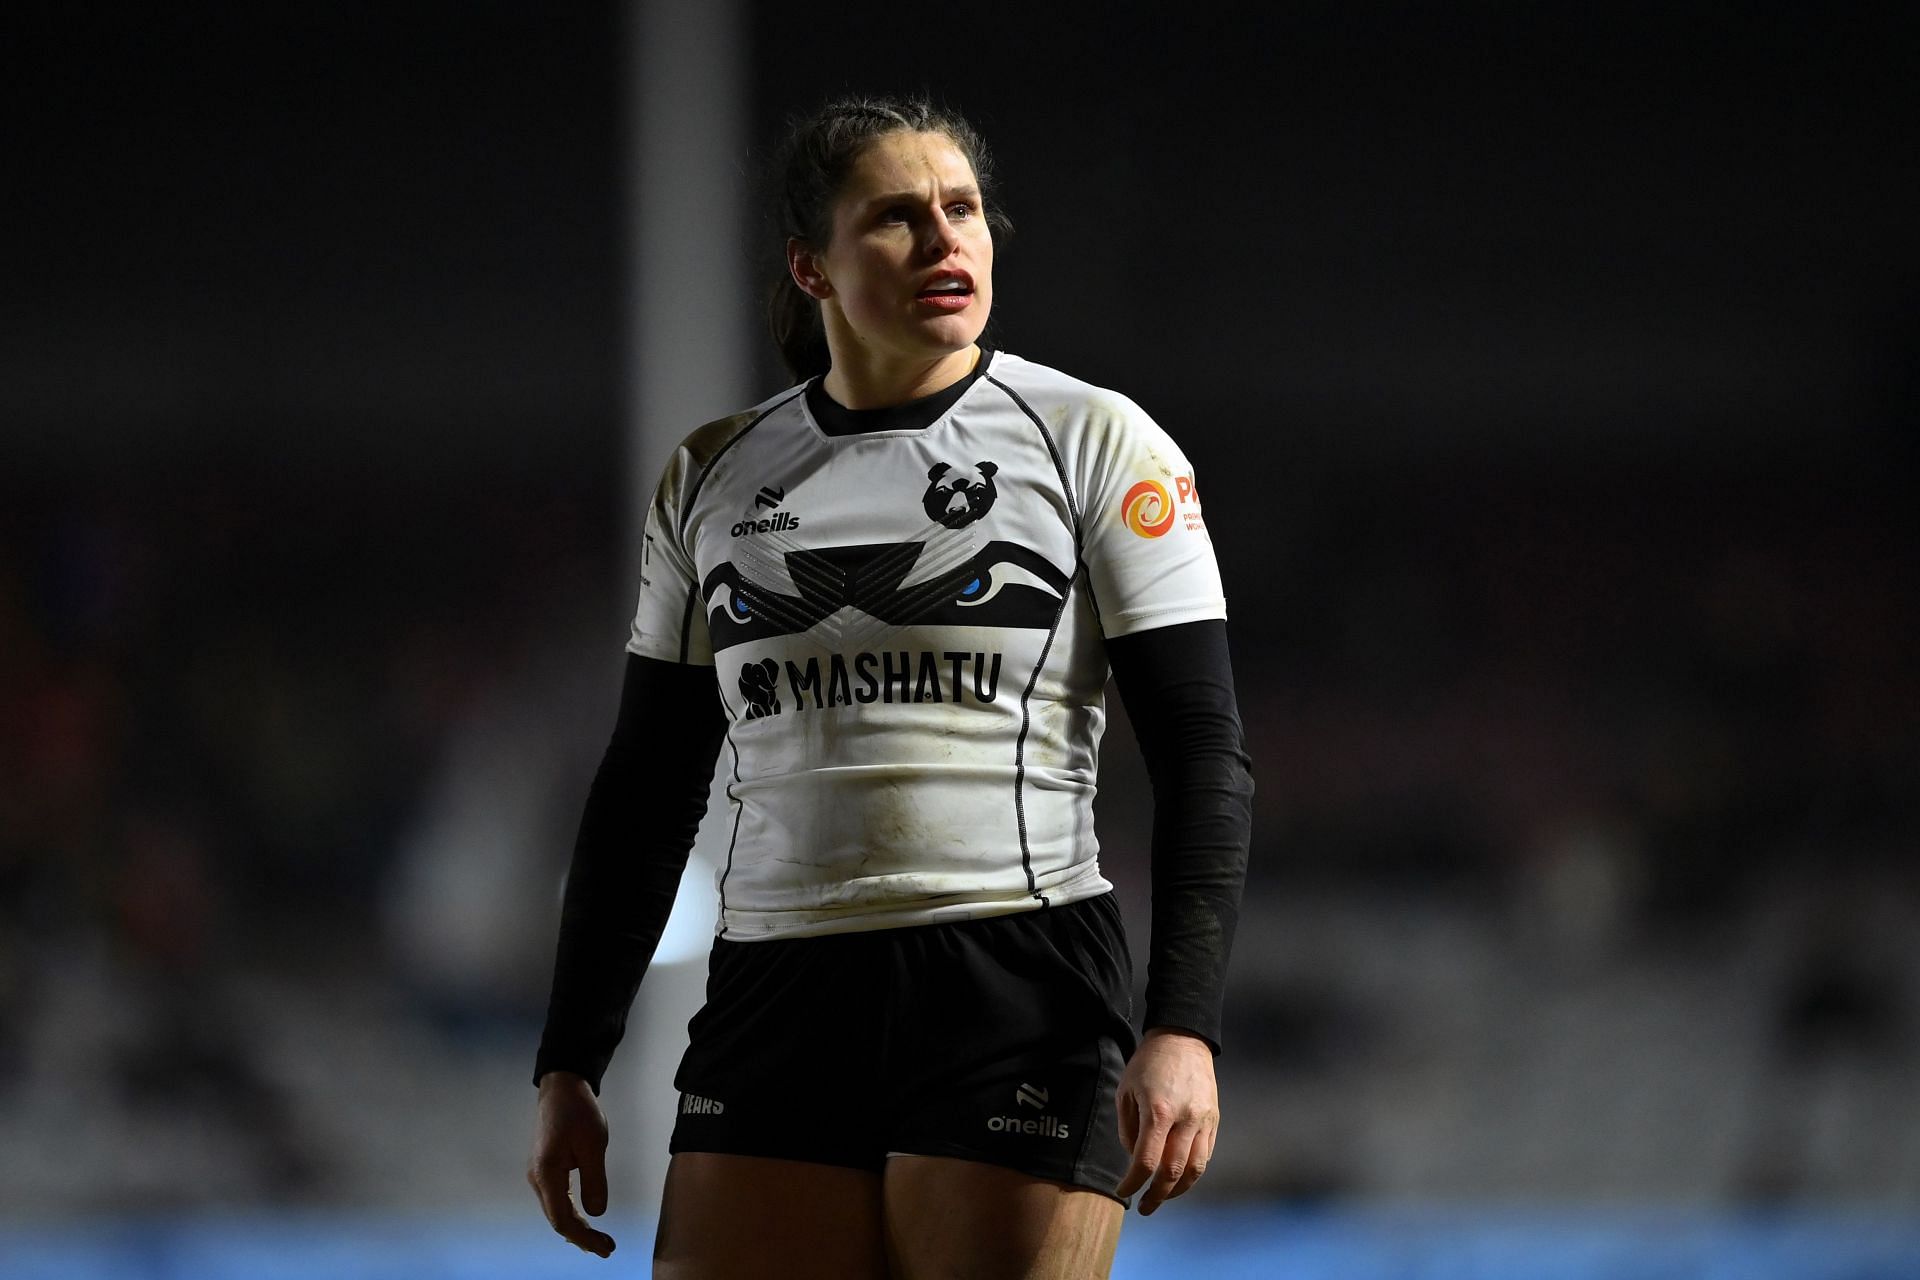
(1051, 721)
(891, 821)
(888, 831)
(705, 442)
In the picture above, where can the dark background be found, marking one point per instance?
(1548, 376)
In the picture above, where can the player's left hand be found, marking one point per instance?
(571, 1133)
(1169, 1115)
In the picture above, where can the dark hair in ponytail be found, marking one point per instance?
(808, 173)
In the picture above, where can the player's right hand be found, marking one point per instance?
(571, 1133)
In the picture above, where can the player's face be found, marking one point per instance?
(910, 265)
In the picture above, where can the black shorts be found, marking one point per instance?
(1000, 1040)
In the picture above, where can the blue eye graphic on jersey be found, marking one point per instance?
(1001, 584)
(739, 611)
(1003, 576)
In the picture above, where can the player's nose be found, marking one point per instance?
(943, 237)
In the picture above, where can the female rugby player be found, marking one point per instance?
(907, 579)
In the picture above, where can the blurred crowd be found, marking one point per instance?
(339, 726)
(1706, 670)
(227, 702)
(1646, 739)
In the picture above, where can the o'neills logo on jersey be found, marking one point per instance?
(902, 675)
(778, 522)
(1149, 510)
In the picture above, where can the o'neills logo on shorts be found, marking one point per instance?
(1044, 1127)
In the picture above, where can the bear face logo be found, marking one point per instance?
(957, 496)
(758, 687)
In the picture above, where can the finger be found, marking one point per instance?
(1196, 1166)
(593, 1183)
(1147, 1149)
(1176, 1156)
(550, 1184)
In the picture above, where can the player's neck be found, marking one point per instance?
(858, 380)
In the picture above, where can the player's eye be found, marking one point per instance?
(895, 213)
(960, 209)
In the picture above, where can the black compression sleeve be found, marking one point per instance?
(641, 816)
(1177, 684)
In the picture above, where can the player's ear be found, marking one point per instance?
(803, 264)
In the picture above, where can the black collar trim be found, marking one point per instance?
(915, 415)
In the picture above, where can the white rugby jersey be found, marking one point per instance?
(906, 628)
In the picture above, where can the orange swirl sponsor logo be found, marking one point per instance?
(1147, 509)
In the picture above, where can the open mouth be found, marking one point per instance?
(948, 287)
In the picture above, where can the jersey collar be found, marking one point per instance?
(836, 419)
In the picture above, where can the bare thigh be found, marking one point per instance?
(960, 1219)
(725, 1217)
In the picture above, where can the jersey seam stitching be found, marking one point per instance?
(1020, 755)
(734, 838)
(686, 620)
(1066, 489)
(1079, 564)
(686, 508)
(1059, 464)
